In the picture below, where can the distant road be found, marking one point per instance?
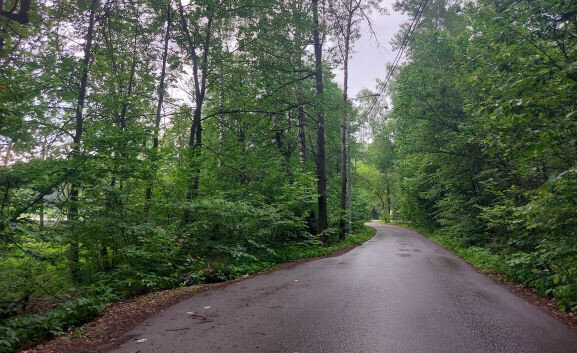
(397, 293)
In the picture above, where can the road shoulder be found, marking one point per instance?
(548, 305)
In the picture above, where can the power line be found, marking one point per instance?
(404, 44)
(397, 59)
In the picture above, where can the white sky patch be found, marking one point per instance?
(369, 62)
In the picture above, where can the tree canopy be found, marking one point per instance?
(483, 133)
(149, 144)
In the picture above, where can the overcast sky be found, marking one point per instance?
(369, 61)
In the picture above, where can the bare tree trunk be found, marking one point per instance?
(349, 179)
(301, 135)
(221, 116)
(300, 113)
(194, 144)
(73, 249)
(343, 136)
(41, 215)
(388, 203)
(321, 162)
(161, 92)
(300, 99)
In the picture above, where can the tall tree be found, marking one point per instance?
(161, 92)
(73, 249)
(198, 46)
(343, 13)
(320, 114)
(346, 17)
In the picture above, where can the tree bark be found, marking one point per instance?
(343, 133)
(301, 135)
(349, 179)
(299, 45)
(41, 211)
(321, 161)
(388, 203)
(73, 248)
(221, 116)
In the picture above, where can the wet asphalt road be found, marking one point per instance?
(397, 293)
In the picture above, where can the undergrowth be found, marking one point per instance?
(28, 330)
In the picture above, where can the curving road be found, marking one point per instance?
(397, 293)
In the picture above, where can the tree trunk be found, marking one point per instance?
(221, 116)
(343, 136)
(73, 249)
(300, 100)
(321, 162)
(126, 100)
(301, 135)
(41, 212)
(161, 92)
(194, 144)
(199, 74)
(388, 203)
(122, 148)
(349, 179)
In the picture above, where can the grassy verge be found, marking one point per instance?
(32, 329)
(482, 259)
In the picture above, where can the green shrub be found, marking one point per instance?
(31, 329)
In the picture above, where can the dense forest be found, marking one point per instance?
(158, 143)
(153, 144)
(479, 149)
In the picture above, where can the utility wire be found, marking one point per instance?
(400, 52)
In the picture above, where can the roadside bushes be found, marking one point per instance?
(484, 128)
(225, 239)
(27, 330)
(541, 269)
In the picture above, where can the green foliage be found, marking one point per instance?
(314, 248)
(27, 330)
(484, 135)
(154, 177)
